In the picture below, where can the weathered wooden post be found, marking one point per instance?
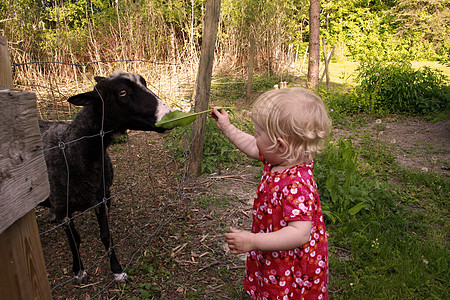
(251, 59)
(327, 59)
(203, 84)
(23, 184)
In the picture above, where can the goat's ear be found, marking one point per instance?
(84, 98)
(99, 78)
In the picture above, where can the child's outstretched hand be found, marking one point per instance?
(221, 117)
(239, 241)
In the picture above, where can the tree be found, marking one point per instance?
(314, 44)
(425, 24)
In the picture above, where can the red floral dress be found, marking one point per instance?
(301, 273)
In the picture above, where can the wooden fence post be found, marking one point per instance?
(23, 184)
(203, 84)
(251, 59)
(6, 80)
(327, 59)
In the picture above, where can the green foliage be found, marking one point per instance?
(90, 30)
(424, 25)
(218, 151)
(344, 193)
(398, 88)
(234, 88)
(397, 251)
(388, 30)
(341, 102)
(227, 87)
(157, 268)
(264, 83)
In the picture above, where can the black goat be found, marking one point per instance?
(80, 173)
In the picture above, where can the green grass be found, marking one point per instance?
(342, 72)
(398, 250)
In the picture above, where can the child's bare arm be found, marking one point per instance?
(243, 141)
(290, 237)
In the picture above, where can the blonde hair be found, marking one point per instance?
(297, 116)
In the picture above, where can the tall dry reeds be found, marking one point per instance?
(97, 38)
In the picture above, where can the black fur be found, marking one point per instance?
(79, 168)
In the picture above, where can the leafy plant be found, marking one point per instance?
(179, 119)
(398, 88)
(218, 151)
(377, 155)
(341, 102)
(157, 267)
(344, 193)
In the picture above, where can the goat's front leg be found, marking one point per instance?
(105, 236)
(81, 276)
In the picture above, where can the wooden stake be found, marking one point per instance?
(250, 67)
(6, 80)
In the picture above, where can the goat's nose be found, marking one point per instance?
(163, 108)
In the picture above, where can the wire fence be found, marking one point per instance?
(173, 82)
(147, 193)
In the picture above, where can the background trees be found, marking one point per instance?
(170, 30)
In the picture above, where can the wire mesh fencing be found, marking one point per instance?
(147, 193)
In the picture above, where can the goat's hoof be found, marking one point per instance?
(52, 218)
(121, 277)
(81, 278)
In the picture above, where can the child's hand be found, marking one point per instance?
(221, 117)
(239, 241)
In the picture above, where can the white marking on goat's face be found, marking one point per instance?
(162, 109)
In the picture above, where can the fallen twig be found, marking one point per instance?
(87, 285)
(208, 266)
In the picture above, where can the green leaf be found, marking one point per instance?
(355, 209)
(179, 119)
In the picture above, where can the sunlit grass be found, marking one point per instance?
(343, 72)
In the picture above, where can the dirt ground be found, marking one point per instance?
(168, 228)
(415, 143)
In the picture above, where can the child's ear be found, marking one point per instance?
(282, 145)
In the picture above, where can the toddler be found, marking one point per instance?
(287, 248)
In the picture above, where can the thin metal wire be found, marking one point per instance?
(93, 62)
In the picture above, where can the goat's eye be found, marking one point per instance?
(122, 93)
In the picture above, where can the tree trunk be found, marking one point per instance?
(203, 85)
(314, 44)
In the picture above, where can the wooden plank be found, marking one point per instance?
(23, 173)
(23, 274)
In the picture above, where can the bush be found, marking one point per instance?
(218, 151)
(398, 88)
(344, 193)
(341, 102)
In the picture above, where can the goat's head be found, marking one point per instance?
(126, 101)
